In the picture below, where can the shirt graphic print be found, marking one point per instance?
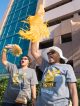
(49, 77)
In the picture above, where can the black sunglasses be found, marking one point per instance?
(24, 58)
(51, 52)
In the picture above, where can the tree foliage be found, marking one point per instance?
(3, 85)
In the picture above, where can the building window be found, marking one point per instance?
(66, 38)
(46, 44)
(58, 20)
(56, 5)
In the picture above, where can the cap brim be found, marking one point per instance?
(44, 55)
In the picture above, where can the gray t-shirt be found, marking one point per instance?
(25, 78)
(54, 87)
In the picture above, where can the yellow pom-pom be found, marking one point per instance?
(4, 50)
(16, 50)
(38, 29)
(15, 78)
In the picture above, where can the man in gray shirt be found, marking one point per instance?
(22, 82)
(58, 81)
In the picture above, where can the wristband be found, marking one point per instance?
(5, 50)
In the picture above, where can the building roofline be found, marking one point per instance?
(3, 21)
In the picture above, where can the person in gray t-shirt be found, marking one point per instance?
(22, 82)
(58, 82)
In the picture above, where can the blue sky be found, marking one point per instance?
(3, 6)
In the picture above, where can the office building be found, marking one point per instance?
(63, 17)
(17, 11)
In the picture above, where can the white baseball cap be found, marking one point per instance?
(57, 49)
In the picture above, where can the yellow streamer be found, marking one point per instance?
(38, 29)
(16, 50)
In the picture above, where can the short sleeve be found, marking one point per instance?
(70, 75)
(10, 67)
(34, 80)
(43, 65)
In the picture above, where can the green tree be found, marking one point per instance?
(3, 85)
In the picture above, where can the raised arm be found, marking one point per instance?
(36, 52)
(4, 57)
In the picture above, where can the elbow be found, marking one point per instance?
(2, 60)
(33, 53)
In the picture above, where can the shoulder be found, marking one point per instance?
(68, 68)
(31, 70)
(11, 64)
(66, 65)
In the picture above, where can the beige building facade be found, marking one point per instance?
(63, 17)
